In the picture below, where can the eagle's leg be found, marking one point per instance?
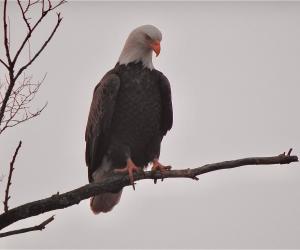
(161, 168)
(130, 168)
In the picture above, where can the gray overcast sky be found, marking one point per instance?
(234, 71)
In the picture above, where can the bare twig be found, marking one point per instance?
(11, 169)
(4, 63)
(29, 4)
(59, 19)
(6, 41)
(116, 182)
(58, 4)
(6, 97)
(49, 4)
(29, 50)
(39, 227)
(10, 123)
(24, 14)
(44, 13)
(18, 106)
(14, 107)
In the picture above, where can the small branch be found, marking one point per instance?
(30, 32)
(6, 66)
(10, 123)
(39, 227)
(59, 19)
(11, 62)
(29, 50)
(18, 106)
(58, 4)
(6, 41)
(24, 14)
(11, 169)
(116, 182)
(49, 4)
(6, 97)
(31, 4)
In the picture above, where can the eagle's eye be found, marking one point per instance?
(147, 37)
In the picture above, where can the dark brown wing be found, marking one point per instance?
(97, 132)
(167, 109)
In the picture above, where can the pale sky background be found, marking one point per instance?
(235, 74)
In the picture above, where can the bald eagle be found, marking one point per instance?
(130, 113)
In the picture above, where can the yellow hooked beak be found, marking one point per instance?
(156, 47)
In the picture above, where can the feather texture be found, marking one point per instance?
(130, 113)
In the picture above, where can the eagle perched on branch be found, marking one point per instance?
(130, 113)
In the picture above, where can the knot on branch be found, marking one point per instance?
(288, 158)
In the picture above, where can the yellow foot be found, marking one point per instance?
(130, 168)
(161, 168)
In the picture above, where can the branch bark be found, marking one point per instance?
(39, 227)
(11, 169)
(116, 182)
(6, 41)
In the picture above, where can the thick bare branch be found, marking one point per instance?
(10, 64)
(11, 169)
(115, 182)
(39, 227)
(6, 97)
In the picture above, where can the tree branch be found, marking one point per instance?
(59, 19)
(6, 41)
(18, 106)
(10, 64)
(11, 61)
(116, 182)
(5, 65)
(24, 14)
(39, 227)
(11, 169)
(31, 29)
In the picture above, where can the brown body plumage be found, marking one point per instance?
(130, 113)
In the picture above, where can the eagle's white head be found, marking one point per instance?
(140, 44)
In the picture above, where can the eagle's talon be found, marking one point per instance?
(130, 168)
(161, 168)
(158, 166)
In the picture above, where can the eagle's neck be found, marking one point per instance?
(136, 54)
